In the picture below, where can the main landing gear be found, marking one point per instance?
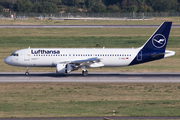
(85, 73)
(27, 71)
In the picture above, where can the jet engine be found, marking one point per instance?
(61, 68)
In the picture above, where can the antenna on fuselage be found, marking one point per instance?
(29, 47)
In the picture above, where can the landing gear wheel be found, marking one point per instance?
(84, 73)
(26, 73)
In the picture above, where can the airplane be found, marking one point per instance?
(67, 60)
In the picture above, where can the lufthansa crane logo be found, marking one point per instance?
(159, 41)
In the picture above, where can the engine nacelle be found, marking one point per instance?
(61, 68)
(69, 68)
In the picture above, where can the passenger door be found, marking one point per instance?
(27, 55)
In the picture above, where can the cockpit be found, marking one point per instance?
(14, 54)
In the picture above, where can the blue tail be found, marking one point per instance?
(155, 47)
(158, 40)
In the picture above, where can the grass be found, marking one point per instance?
(31, 21)
(14, 39)
(91, 99)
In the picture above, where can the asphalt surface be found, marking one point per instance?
(19, 77)
(83, 26)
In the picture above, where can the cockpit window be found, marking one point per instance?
(14, 54)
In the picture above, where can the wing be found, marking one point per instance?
(90, 62)
(161, 40)
(85, 60)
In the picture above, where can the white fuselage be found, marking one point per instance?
(35, 58)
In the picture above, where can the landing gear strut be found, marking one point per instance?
(85, 73)
(27, 71)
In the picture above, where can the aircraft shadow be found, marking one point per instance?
(89, 75)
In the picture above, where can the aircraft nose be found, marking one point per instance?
(7, 60)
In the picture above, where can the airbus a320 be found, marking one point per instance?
(67, 60)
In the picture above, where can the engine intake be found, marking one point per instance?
(61, 68)
(64, 68)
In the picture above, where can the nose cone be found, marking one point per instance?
(7, 60)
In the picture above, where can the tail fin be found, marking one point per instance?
(154, 48)
(158, 40)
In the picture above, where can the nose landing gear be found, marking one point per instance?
(27, 71)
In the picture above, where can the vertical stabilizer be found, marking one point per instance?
(154, 48)
(158, 40)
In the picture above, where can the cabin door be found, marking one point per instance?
(139, 56)
(27, 55)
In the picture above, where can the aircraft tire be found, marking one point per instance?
(26, 73)
(85, 73)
